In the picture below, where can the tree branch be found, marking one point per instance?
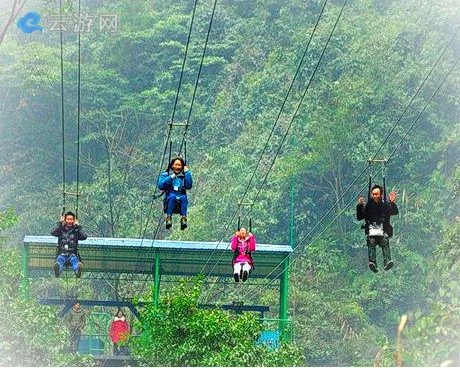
(13, 15)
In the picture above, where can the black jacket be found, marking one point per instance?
(68, 236)
(378, 213)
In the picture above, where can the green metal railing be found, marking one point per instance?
(98, 333)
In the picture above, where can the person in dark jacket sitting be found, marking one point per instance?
(68, 232)
(175, 185)
(378, 229)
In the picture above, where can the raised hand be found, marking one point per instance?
(392, 196)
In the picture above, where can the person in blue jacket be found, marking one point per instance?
(175, 185)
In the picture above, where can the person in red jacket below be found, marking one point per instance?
(118, 331)
(243, 243)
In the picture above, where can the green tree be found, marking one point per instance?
(178, 333)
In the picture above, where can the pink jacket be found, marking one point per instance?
(119, 329)
(242, 247)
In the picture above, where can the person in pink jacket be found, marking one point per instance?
(243, 243)
(118, 332)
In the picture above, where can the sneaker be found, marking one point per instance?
(168, 222)
(373, 267)
(79, 270)
(236, 277)
(245, 275)
(183, 223)
(56, 269)
(389, 265)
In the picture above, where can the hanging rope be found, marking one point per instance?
(393, 128)
(168, 141)
(183, 62)
(184, 138)
(170, 124)
(62, 115)
(254, 292)
(417, 92)
(294, 116)
(300, 103)
(299, 66)
(78, 113)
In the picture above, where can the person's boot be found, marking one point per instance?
(245, 275)
(236, 277)
(56, 269)
(373, 267)
(79, 270)
(388, 265)
(168, 222)
(183, 222)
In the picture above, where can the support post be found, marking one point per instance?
(292, 215)
(289, 337)
(25, 272)
(156, 286)
(284, 289)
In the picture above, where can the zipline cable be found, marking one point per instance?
(170, 125)
(187, 122)
(294, 116)
(417, 92)
(386, 139)
(168, 140)
(271, 132)
(62, 115)
(389, 158)
(299, 105)
(78, 112)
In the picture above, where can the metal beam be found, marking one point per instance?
(156, 285)
(91, 302)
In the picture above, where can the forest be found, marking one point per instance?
(285, 102)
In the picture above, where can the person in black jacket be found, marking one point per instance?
(68, 232)
(378, 229)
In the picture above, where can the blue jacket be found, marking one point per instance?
(176, 186)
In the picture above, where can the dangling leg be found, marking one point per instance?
(171, 202)
(387, 262)
(236, 271)
(76, 265)
(246, 269)
(183, 212)
(372, 256)
(59, 265)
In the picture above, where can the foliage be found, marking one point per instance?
(375, 62)
(434, 334)
(178, 333)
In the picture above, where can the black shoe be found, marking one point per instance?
(168, 222)
(373, 267)
(57, 272)
(79, 270)
(389, 265)
(183, 223)
(236, 277)
(245, 275)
